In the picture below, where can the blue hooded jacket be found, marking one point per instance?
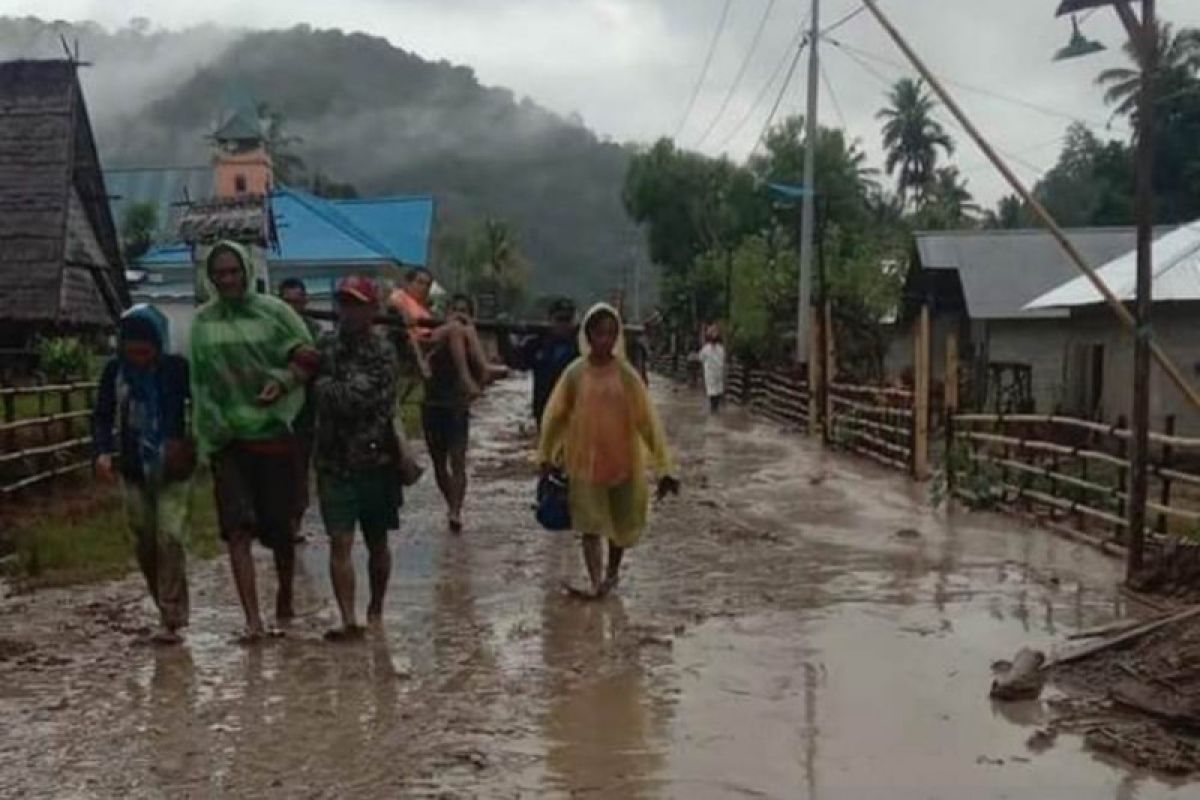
(139, 410)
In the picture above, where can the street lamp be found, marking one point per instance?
(1143, 34)
(1079, 45)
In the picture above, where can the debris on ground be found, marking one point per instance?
(1134, 694)
(1020, 680)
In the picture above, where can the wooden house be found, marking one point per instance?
(60, 259)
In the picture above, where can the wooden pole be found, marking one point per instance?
(1146, 42)
(1168, 459)
(830, 368)
(1126, 319)
(950, 388)
(921, 396)
(816, 373)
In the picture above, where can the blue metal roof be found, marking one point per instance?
(322, 239)
(313, 229)
(402, 224)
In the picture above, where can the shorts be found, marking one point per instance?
(255, 487)
(446, 428)
(369, 499)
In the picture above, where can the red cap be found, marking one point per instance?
(360, 287)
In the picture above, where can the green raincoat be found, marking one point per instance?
(236, 348)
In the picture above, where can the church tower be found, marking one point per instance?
(241, 163)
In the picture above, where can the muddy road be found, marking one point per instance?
(775, 636)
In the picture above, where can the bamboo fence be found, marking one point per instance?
(47, 438)
(1072, 473)
(877, 422)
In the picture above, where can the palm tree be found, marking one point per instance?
(946, 202)
(911, 137)
(1178, 65)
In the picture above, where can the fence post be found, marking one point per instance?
(921, 396)
(830, 370)
(64, 406)
(816, 372)
(950, 465)
(10, 416)
(950, 388)
(1122, 479)
(1168, 458)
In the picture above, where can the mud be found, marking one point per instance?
(781, 632)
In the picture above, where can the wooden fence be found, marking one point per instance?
(1072, 474)
(45, 433)
(873, 421)
(773, 394)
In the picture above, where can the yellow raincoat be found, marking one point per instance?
(600, 426)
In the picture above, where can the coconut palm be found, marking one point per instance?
(912, 137)
(1178, 66)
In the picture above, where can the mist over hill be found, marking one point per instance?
(367, 113)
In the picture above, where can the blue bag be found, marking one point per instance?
(553, 505)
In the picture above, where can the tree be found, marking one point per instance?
(139, 228)
(1092, 183)
(1010, 213)
(288, 166)
(912, 138)
(947, 202)
(1178, 63)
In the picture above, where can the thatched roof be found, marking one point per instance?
(244, 219)
(60, 260)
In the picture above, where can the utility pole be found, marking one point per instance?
(807, 231)
(1145, 36)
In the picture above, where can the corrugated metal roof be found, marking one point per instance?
(313, 230)
(1176, 274)
(322, 239)
(402, 224)
(166, 188)
(1003, 271)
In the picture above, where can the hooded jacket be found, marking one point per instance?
(237, 347)
(131, 401)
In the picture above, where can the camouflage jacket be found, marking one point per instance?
(355, 394)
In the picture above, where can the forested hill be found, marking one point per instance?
(367, 113)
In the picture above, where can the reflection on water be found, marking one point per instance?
(599, 726)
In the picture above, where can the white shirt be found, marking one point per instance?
(712, 359)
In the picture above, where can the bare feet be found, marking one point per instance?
(607, 586)
(167, 637)
(348, 633)
(581, 594)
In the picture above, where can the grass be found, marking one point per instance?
(82, 536)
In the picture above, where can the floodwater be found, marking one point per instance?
(773, 637)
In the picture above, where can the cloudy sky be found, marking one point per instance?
(629, 67)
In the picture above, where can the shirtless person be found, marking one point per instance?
(458, 336)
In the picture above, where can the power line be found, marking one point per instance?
(837, 107)
(843, 20)
(796, 41)
(712, 49)
(782, 91)
(741, 73)
(972, 88)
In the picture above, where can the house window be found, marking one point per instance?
(239, 184)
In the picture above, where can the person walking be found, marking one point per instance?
(356, 453)
(599, 425)
(712, 363)
(140, 419)
(250, 358)
(546, 354)
(446, 421)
